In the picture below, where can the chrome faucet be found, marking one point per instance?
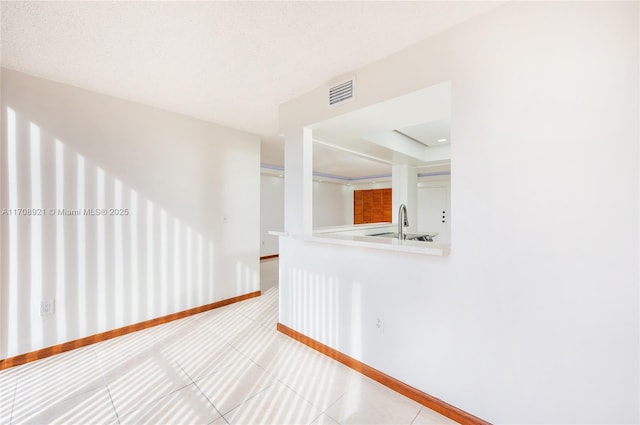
(403, 221)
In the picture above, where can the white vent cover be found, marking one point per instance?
(342, 92)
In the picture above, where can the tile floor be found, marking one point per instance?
(225, 366)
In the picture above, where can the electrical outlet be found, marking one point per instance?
(380, 323)
(47, 307)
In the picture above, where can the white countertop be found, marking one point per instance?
(350, 227)
(277, 233)
(377, 242)
(355, 235)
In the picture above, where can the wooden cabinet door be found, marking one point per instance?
(371, 206)
(368, 206)
(358, 207)
(387, 214)
(376, 206)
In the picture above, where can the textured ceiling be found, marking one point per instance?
(230, 63)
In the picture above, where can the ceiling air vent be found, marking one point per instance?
(342, 92)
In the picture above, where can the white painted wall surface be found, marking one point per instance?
(191, 237)
(533, 318)
(404, 190)
(332, 204)
(271, 212)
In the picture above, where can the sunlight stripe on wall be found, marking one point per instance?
(189, 282)
(101, 253)
(82, 248)
(164, 290)
(60, 245)
(150, 266)
(12, 175)
(211, 292)
(200, 270)
(135, 295)
(118, 248)
(36, 238)
(176, 264)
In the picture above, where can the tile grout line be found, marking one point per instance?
(416, 416)
(322, 411)
(104, 379)
(202, 392)
(154, 400)
(330, 406)
(279, 380)
(316, 418)
(112, 404)
(248, 399)
(13, 399)
(275, 378)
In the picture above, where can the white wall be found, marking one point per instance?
(533, 318)
(271, 212)
(189, 238)
(332, 204)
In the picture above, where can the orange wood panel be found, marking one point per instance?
(372, 206)
(376, 207)
(387, 214)
(358, 207)
(367, 212)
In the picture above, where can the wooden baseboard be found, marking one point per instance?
(268, 257)
(66, 346)
(425, 399)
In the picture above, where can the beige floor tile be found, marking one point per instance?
(8, 380)
(429, 417)
(324, 420)
(229, 323)
(93, 407)
(126, 346)
(261, 345)
(220, 421)
(185, 406)
(270, 296)
(54, 379)
(143, 379)
(276, 405)
(371, 403)
(231, 386)
(264, 314)
(201, 353)
(251, 336)
(168, 332)
(285, 358)
(319, 380)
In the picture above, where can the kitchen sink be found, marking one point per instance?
(425, 237)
